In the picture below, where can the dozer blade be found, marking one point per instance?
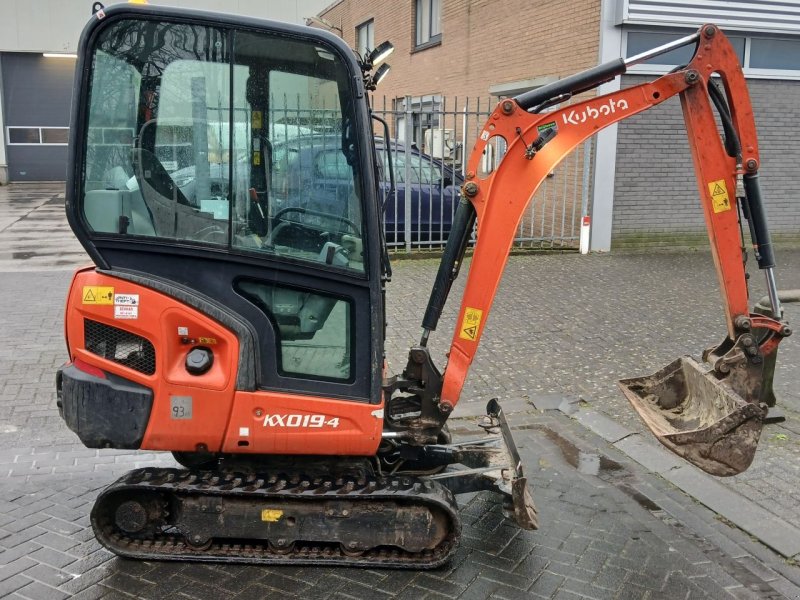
(492, 463)
(698, 416)
(523, 509)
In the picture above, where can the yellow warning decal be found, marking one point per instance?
(271, 515)
(93, 294)
(471, 324)
(720, 201)
(257, 120)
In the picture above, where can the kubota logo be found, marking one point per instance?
(300, 421)
(576, 117)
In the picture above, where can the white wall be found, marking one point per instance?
(605, 156)
(55, 25)
(771, 16)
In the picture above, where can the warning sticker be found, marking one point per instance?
(257, 119)
(127, 299)
(271, 515)
(97, 295)
(471, 324)
(720, 201)
(124, 311)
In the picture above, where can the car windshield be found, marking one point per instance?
(203, 136)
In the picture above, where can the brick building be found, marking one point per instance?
(471, 47)
(466, 48)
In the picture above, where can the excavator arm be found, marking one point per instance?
(711, 414)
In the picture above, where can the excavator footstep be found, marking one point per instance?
(697, 416)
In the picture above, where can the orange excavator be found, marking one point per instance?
(224, 180)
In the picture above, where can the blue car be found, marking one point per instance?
(314, 169)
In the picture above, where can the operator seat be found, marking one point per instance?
(172, 213)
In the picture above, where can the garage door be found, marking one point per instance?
(37, 92)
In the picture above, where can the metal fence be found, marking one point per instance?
(431, 138)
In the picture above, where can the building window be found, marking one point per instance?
(642, 41)
(428, 22)
(36, 136)
(769, 53)
(55, 135)
(365, 38)
(425, 114)
(759, 56)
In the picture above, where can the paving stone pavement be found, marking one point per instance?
(574, 325)
(34, 234)
(564, 326)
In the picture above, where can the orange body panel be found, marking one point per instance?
(218, 410)
(278, 423)
(503, 195)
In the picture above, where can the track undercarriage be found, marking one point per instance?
(395, 510)
(287, 518)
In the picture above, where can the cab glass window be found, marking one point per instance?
(208, 136)
(304, 201)
(313, 330)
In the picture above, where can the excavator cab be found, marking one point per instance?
(202, 156)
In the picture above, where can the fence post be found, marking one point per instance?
(409, 134)
(587, 167)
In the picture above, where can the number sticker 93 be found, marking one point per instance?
(180, 407)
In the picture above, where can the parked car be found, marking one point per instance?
(434, 188)
(316, 169)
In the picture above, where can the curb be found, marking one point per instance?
(774, 532)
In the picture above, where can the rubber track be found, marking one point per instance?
(261, 488)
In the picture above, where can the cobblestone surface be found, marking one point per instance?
(563, 325)
(574, 325)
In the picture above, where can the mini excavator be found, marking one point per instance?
(224, 181)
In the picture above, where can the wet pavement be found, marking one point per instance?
(34, 235)
(564, 328)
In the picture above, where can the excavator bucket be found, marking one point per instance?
(698, 416)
